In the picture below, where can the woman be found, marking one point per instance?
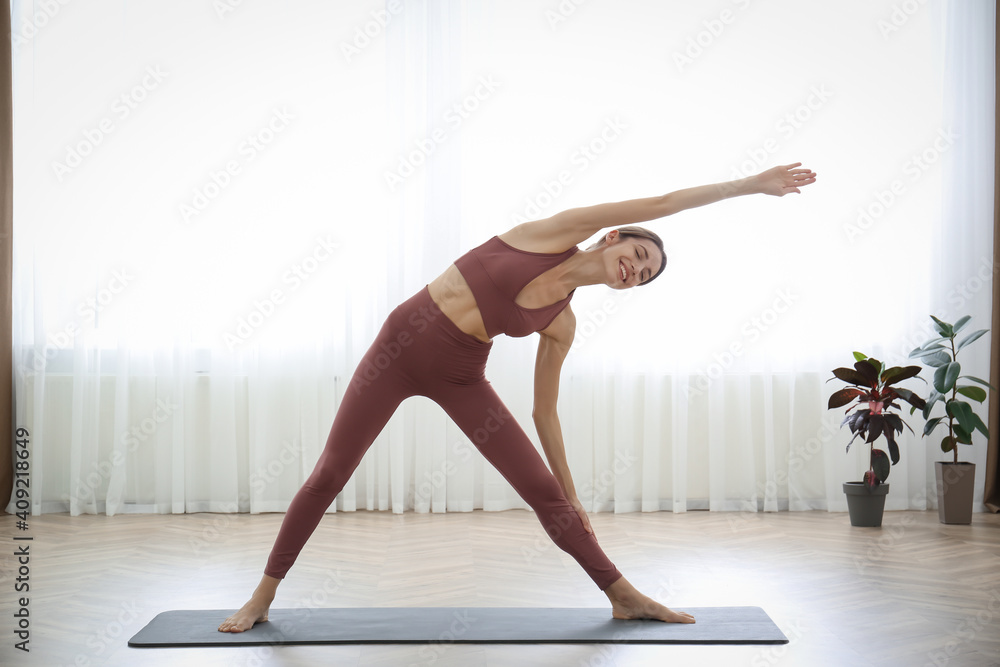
(436, 344)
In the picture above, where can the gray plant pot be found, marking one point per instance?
(865, 506)
(956, 483)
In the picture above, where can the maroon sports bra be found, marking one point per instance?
(496, 273)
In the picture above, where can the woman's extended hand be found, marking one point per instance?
(781, 180)
(578, 506)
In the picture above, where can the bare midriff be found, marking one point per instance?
(454, 297)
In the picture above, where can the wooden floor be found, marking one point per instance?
(912, 593)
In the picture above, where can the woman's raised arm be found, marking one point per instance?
(576, 225)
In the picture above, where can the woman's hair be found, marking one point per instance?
(640, 233)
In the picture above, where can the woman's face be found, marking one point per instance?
(629, 261)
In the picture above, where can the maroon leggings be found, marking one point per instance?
(420, 352)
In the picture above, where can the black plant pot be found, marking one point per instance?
(955, 487)
(865, 505)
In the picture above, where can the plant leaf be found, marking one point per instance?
(970, 338)
(936, 359)
(852, 440)
(945, 376)
(961, 411)
(943, 327)
(931, 425)
(859, 421)
(860, 356)
(947, 443)
(910, 397)
(899, 373)
(852, 376)
(875, 425)
(934, 397)
(980, 426)
(895, 422)
(925, 351)
(975, 393)
(893, 447)
(962, 435)
(960, 323)
(880, 464)
(982, 382)
(869, 370)
(843, 397)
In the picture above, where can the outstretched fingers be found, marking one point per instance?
(797, 178)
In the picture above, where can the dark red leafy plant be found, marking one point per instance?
(872, 416)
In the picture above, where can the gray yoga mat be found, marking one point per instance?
(491, 625)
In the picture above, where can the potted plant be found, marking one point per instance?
(872, 416)
(955, 479)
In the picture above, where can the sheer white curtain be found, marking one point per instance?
(218, 204)
(964, 264)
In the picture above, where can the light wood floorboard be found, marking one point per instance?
(914, 593)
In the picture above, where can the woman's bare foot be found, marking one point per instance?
(627, 603)
(254, 611)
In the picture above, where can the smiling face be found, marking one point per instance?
(629, 261)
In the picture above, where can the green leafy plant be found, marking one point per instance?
(876, 395)
(941, 353)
